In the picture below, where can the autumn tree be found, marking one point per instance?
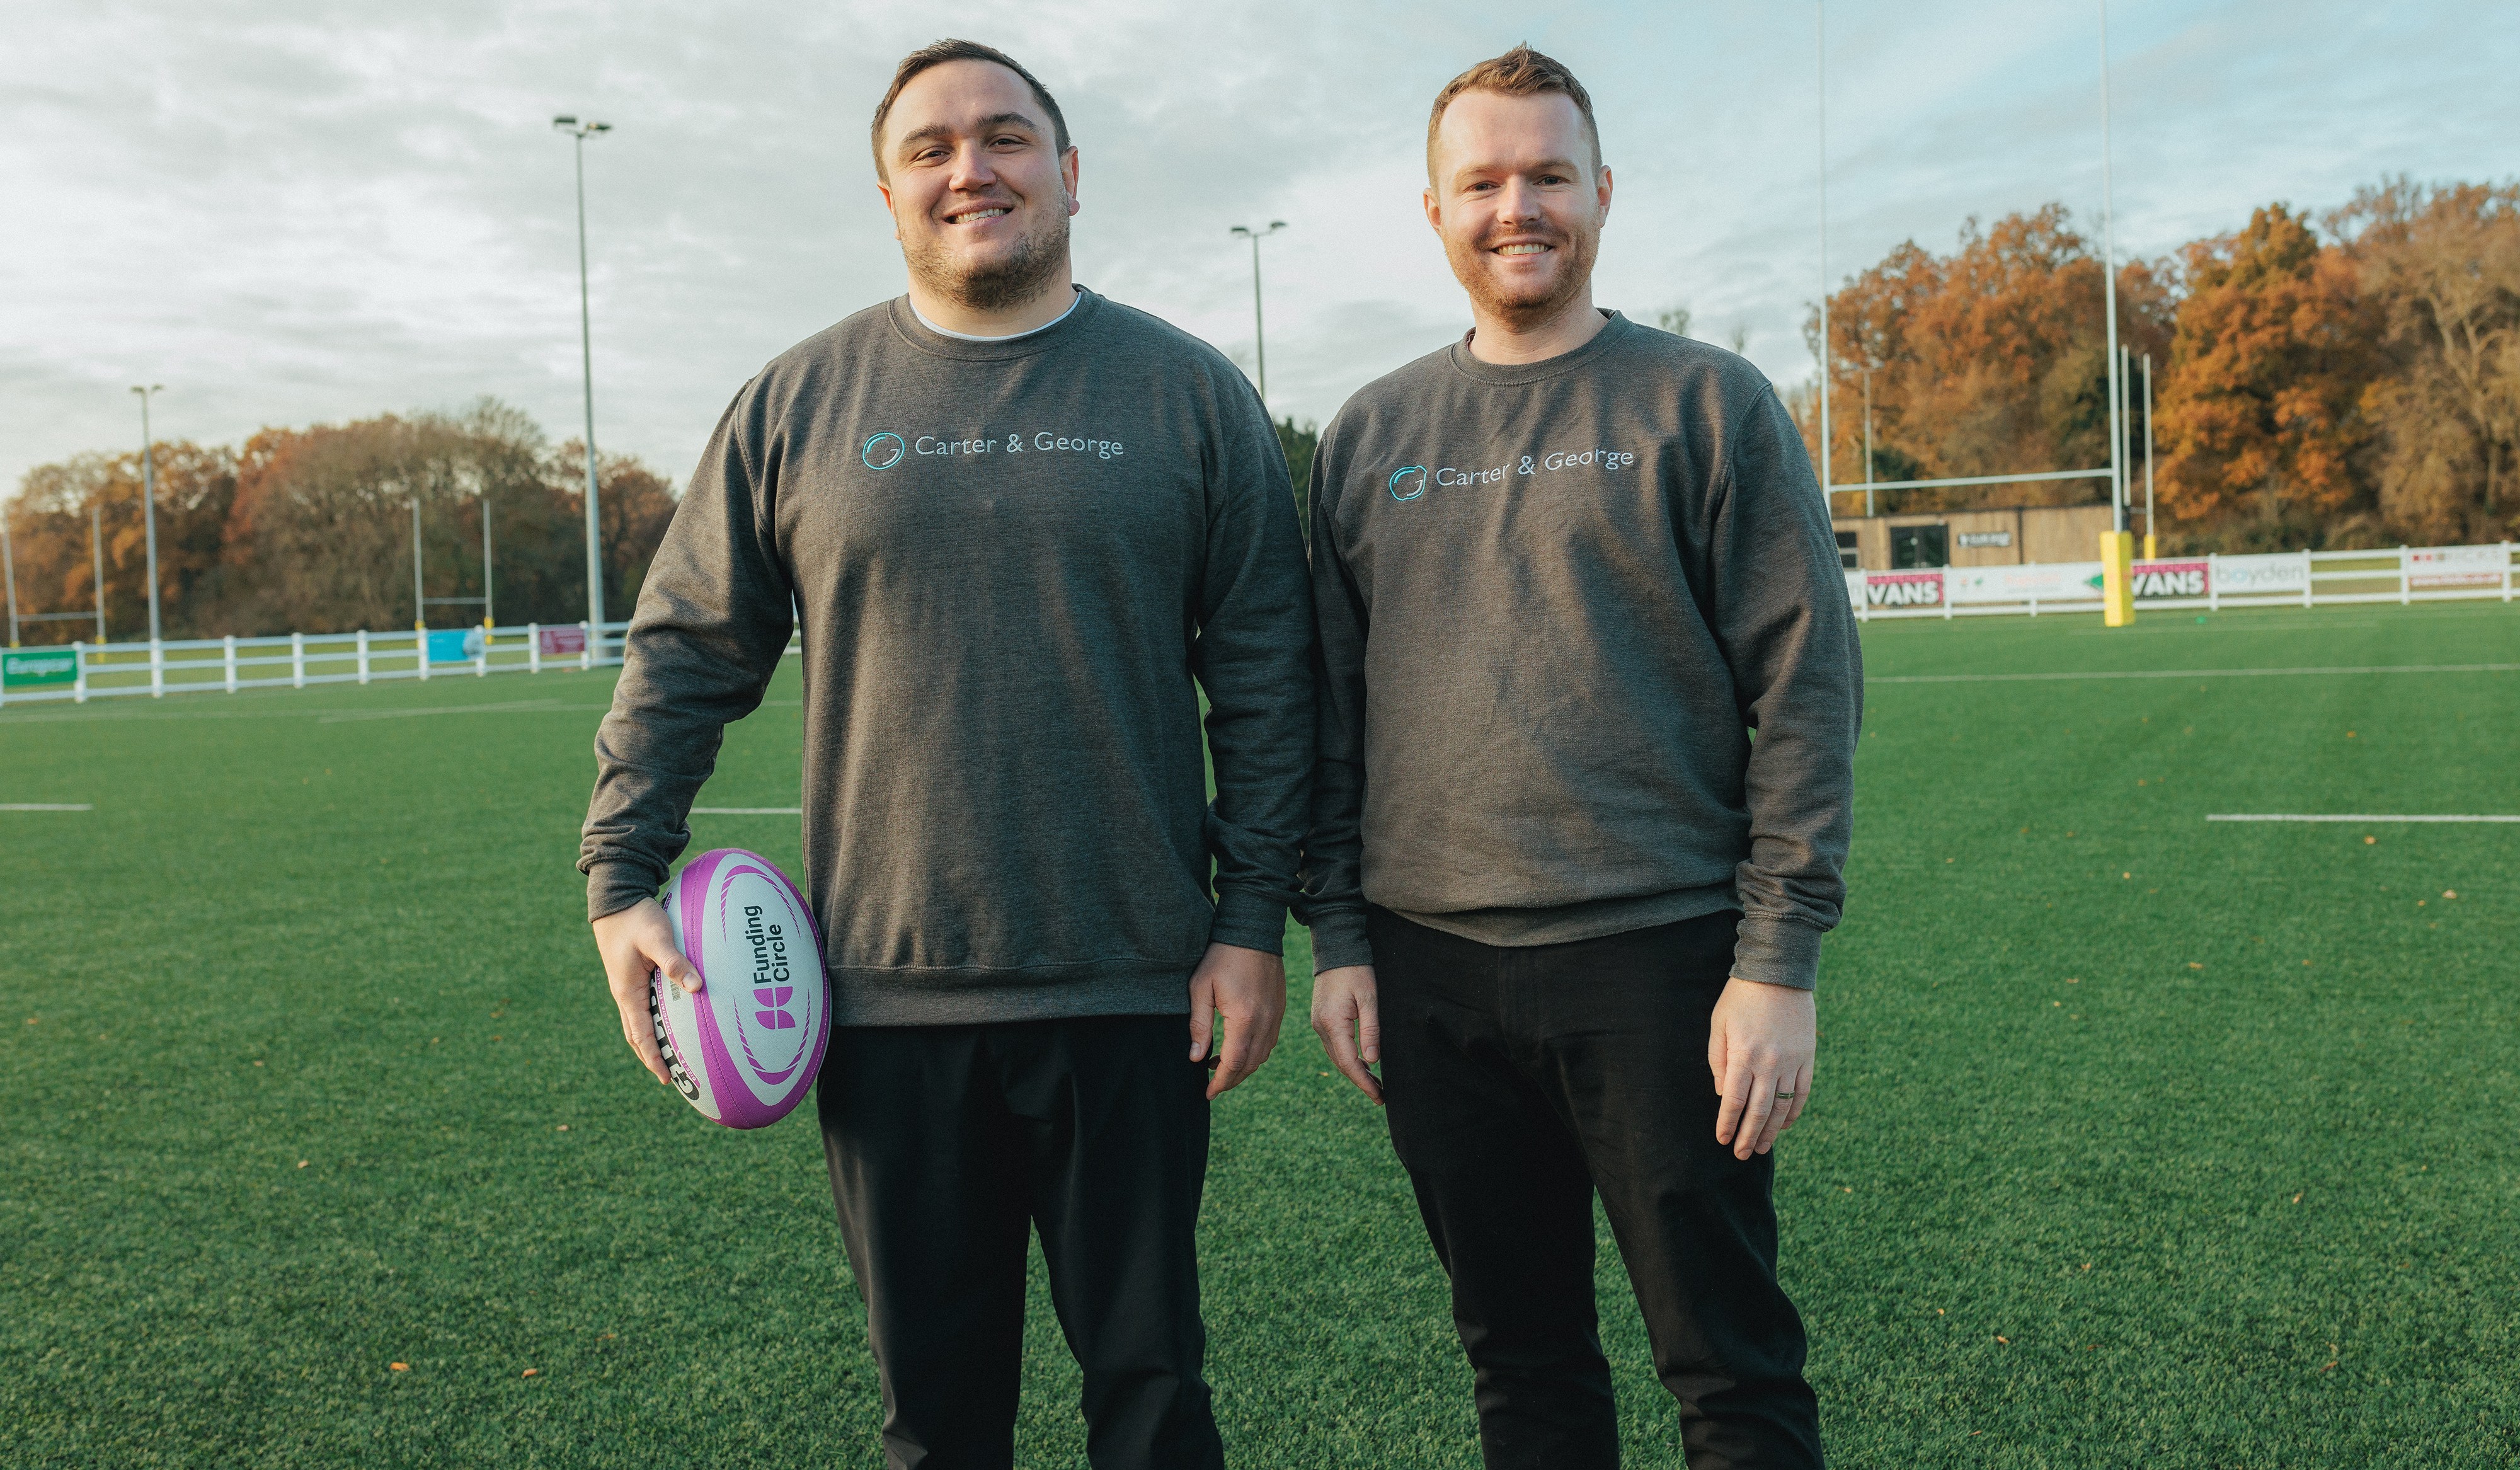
(636, 504)
(1990, 360)
(61, 509)
(311, 529)
(2441, 267)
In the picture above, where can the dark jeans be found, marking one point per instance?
(947, 1144)
(1519, 1083)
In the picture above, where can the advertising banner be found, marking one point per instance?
(2286, 572)
(38, 668)
(2455, 566)
(1887, 591)
(2036, 582)
(2159, 579)
(446, 646)
(563, 640)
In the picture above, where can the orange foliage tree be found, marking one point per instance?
(1990, 360)
(2261, 426)
(311, 529)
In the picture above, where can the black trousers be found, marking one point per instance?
(947, 1145)
(1520, 1081)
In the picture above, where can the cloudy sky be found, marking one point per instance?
(289, 211)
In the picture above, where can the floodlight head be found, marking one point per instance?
(1277, 225)
(599, 128)
(564, 120)
(1237, 229)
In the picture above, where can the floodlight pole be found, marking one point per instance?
(1820, 24)
(580, 132)
(1259, 334)
(149, 501)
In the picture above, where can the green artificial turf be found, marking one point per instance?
(2136, 1141)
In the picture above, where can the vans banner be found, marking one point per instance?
(1895, 589)
(2160, 580)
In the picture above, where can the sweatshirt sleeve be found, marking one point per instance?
(1334, 904)
(1253, 657)
(711, 623)
(1788, 636)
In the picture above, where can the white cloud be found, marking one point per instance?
(292, 212)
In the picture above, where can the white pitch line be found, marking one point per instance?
(2187, 673)
(2350, 816)
(747, 812)
(47, 806)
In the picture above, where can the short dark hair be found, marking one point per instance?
(1519, 73)
(937, 54)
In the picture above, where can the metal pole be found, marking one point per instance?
(96, 549)
(9, 560)
(1259, 332)
(1259, 329)
(418, 609)
(1868, 442)
(586, 363)
(1820, 15)
(2109, 285)
(486, 621)
(149, 502)
(2149, 548)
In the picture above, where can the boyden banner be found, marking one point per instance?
(563, 640)
(2284, 572)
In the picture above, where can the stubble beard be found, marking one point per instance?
(993, 286)
(1518, 311)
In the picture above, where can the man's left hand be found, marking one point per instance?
(1249, 989)
(1761, 1049)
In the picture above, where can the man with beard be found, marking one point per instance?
(1565, 571)
(1024, 527)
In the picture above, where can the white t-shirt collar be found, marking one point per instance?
(1002, 336)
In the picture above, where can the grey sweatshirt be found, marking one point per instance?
(1017, 562)
(1554, 599)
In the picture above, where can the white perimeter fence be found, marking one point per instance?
(2287, 578)
(82, 672)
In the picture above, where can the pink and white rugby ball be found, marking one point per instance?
(744, 1049)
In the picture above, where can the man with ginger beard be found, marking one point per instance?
(1589, 705)
(1025, 527)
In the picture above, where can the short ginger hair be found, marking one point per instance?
(1519, 73)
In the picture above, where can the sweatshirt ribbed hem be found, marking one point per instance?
(1249, 921)
(980, 998)
(612, 886)
(1339, 939)
(1777, 952)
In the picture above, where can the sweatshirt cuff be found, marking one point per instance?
(612, 886)
(1777, 952)
(1249, 921)
(1339, 940)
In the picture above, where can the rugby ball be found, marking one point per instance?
(744, 1049)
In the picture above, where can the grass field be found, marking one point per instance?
(2136, 1141)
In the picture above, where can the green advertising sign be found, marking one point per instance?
(38, 668)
